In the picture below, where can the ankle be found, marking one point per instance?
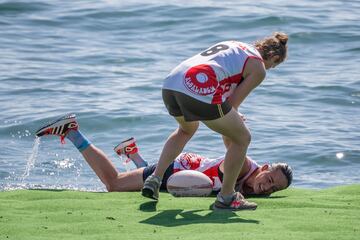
(78, 139)
(226, 198)
(159, 179)
(137, 160)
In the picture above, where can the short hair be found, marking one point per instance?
(285, 169)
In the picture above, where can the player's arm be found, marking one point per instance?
(244, 169)
(254, 74)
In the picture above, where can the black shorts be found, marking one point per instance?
(151, 168)
(179, 104)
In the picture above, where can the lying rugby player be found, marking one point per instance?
(253, 179)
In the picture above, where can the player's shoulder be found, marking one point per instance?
(256, 67)
(251, 161)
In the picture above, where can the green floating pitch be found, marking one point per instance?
(332, 213)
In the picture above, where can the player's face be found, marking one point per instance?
(272, 62)
(267, 182)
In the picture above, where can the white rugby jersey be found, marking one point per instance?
(211, 76)
(192, 161)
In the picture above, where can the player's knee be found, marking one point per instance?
(188, 133)
(247, 137)
(243, 138)
(112, 185)
(109, 188)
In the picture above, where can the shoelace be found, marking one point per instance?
(62, 136)
(62, 139)
(126, 162)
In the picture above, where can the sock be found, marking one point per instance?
(78, 139)
(137, 160)
(140, 164)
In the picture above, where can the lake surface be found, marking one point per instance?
(106, 61)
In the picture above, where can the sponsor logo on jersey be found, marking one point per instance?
(201, 80)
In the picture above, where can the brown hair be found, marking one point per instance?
(285, 169)
(275, 45)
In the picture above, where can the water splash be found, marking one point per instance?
(31, 159)
(65, 163)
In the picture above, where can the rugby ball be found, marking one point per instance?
(189, 183)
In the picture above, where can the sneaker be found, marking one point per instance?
(237, 203)
(151, 187)
(60, 127)
(126, 147)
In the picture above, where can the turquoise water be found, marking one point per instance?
(106, 60)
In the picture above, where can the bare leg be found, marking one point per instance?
(175, 144)
(109, 175)
(227, 142)
(233, 128)
(128, 181)
(99, 162)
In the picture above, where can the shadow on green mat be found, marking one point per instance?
(48, 190)
(148, 206)
(177, 217)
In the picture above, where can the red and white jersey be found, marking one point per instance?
(210, 167)
(212, 76)
(241, 181)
